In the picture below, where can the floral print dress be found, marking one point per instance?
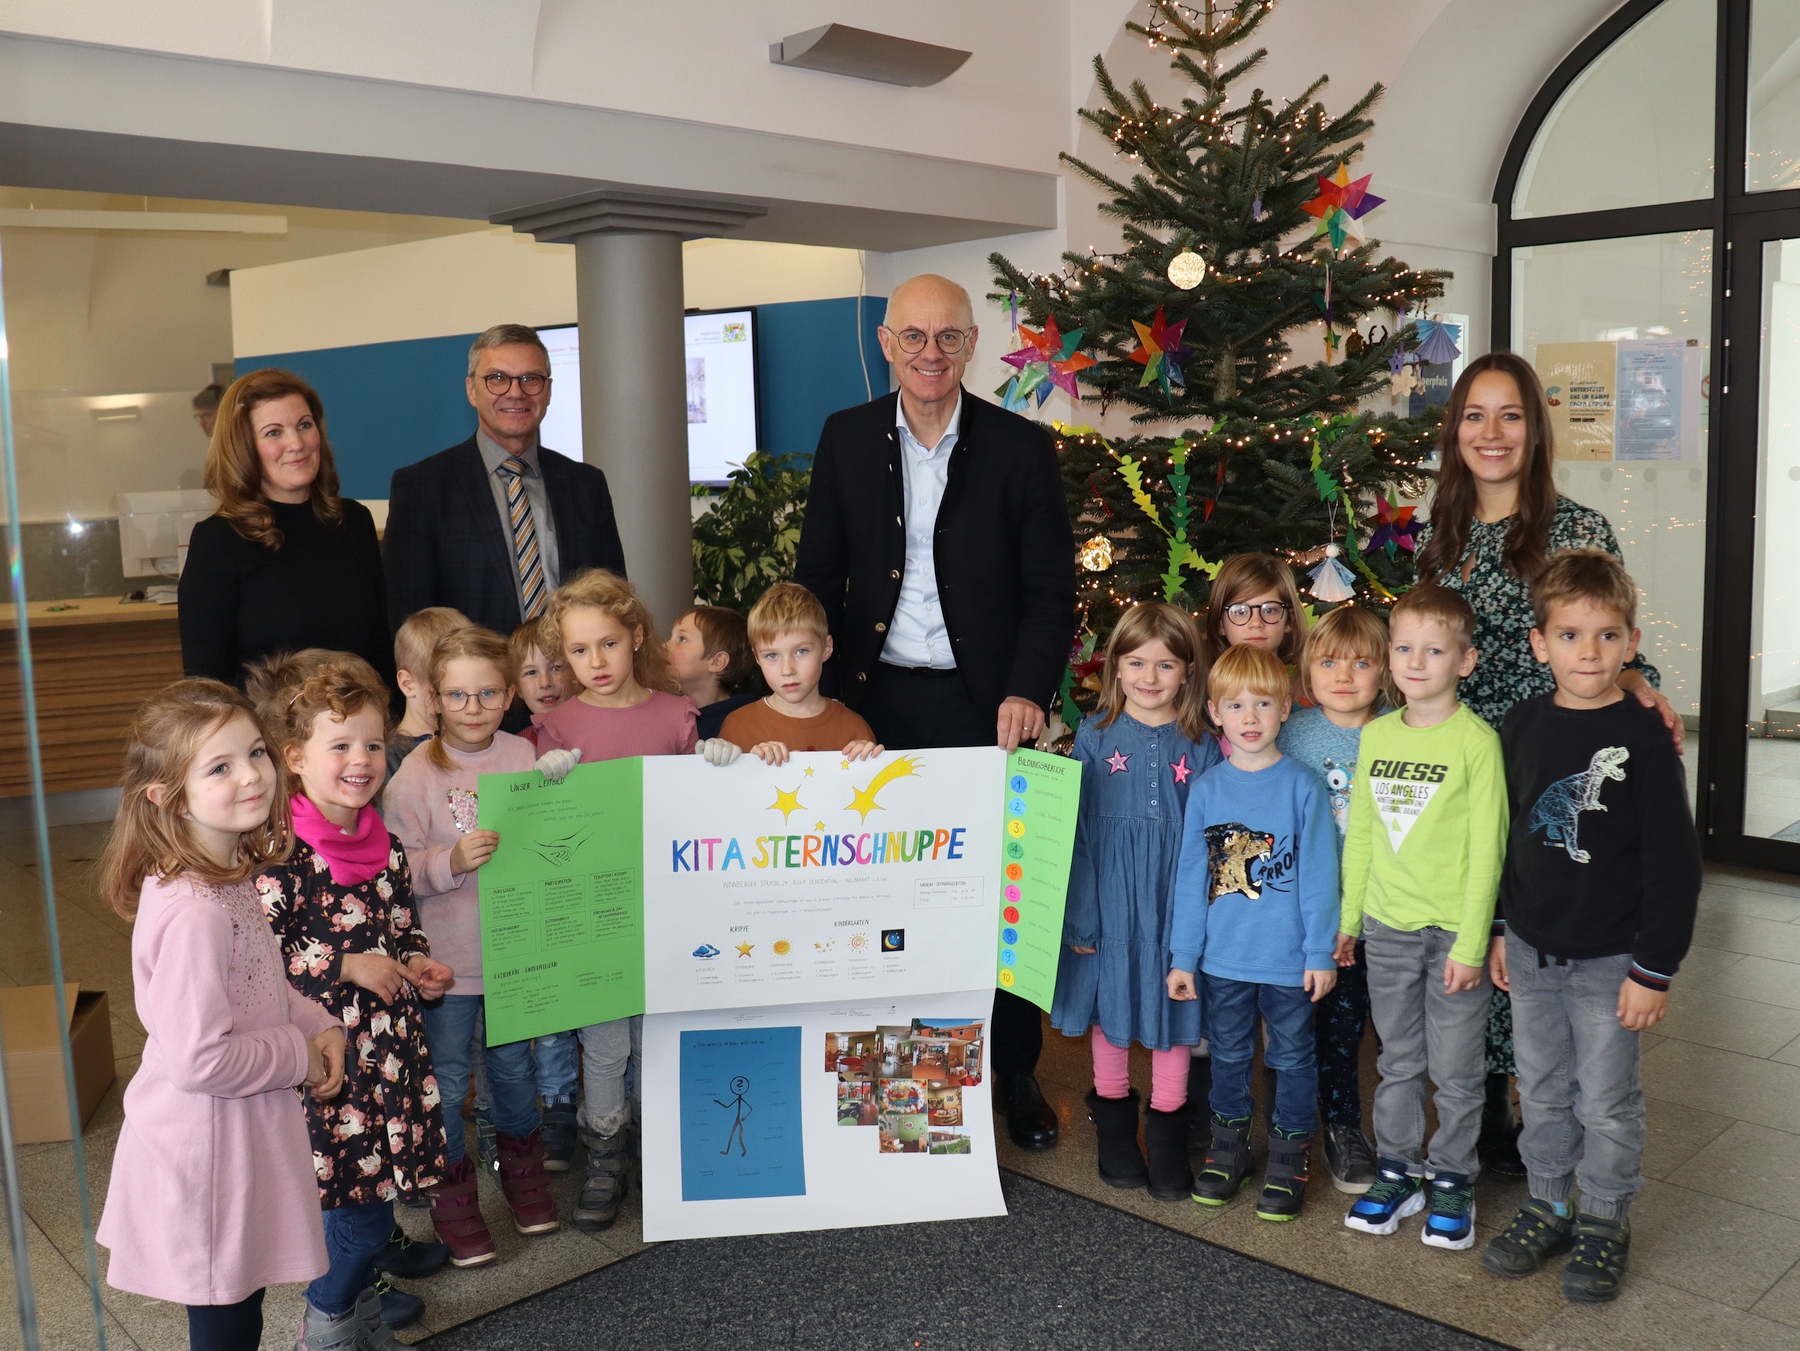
(1507, 671)
(382, 1137)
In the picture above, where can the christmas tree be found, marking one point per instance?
(1242, 230)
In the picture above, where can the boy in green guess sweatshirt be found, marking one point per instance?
(1422, 860)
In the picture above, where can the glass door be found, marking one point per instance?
(1753, 771)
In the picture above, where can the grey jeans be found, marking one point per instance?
(1425, 1031)
(607, 1049)
(1578, 1079)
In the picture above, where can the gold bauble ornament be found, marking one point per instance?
(1187, 269)
(1096, 555)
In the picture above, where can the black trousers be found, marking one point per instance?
(911, 707)
(226, 1327)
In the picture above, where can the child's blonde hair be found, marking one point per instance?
(1247, 667)
(1350, 631)
(1438, 605)
(420, 633)
(611, 594)
(292, 690)
(1240, 577)
(1152, 622)
(786, 607)
(474, 642)
(151, 839)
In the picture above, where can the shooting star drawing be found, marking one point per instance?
(906, 767)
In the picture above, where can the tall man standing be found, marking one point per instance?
(937, 537)
(492, 526)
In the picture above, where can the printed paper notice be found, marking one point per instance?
(1043, 796)
(1579, 380)
(1659, 399)
(562, 900)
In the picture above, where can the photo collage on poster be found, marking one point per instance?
(908, 1081)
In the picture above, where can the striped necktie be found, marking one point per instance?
(526, 554)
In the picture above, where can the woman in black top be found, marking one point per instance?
(285, 563)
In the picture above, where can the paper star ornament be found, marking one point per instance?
(1394, 527)
(1160, 352)
(1340, 207)
(1048, 358)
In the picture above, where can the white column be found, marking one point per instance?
(628, 304)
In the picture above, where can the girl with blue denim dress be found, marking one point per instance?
(1139, 753)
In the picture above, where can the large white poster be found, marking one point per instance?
(821, 879)
(818, 1116)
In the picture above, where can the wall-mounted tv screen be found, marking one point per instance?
(721, 392)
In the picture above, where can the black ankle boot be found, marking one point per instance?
(1498, 1145)
(1171, 1179)
(1116, 1123)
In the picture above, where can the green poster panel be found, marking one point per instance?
(1043, 797)
(562, 899)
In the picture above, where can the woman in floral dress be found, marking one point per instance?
(1495, 519)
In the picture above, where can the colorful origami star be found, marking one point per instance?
(1394, 527)
(1341, 205)
(1160, 352)
(1117, 760)
(1047, 358)
(1183, 770)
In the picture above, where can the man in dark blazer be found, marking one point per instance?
(493, 525)
(937, 537)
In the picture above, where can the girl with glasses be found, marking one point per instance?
(1253, 600)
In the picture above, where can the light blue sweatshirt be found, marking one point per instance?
(1256, 895)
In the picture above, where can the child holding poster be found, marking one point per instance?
(1138, 753)
(434, 808)
(628, 705)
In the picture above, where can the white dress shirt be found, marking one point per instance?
(917, 637)
(493, 455)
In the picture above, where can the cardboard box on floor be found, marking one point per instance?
(34, 1068)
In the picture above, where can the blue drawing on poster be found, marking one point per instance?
(741, 1129)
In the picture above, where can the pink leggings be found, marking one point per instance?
(1168, 1072)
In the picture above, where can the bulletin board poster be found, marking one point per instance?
(830, 1115)
(562, 899)
(820, 879)
(1043, 799)
(1580, 382)
(1659, 399)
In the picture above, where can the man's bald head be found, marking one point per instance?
(929, 297)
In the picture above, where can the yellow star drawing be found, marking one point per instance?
(864, 800)
(744, 949)
(843, 764)
(819, 826)
(787, 800)
(809, 773)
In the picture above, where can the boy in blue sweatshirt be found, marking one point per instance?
(1256, 909)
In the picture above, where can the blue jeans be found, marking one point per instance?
(353, 1235)
(1232, 1008)
(450, 1031)
(558, 1058)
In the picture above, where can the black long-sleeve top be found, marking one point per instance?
(241, 601)
(1602, 859)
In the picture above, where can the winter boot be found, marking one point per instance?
(1498, 1145)
(324, 1332)
(1199, 1092)
(372, 1333)
(456, 1215)
(1284, 1176)
(1227, 1162)
(406, 1260)
(1115, 1122)
(525, 1184)
(559, 1136)
(604, 1191)
(1171, 1179)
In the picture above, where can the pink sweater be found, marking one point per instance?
(662, 725)
(430, 810)
(212, 1194)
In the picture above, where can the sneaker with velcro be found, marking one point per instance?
(1393, 1196)
(1451, 1222)
(1536, 1234)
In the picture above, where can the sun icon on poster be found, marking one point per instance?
(858, 942)
(783, 947)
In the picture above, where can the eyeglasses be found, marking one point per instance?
(912, 341)
(1270, 610)
(457, 700)
(529, 385)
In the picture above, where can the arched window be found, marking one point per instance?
(1649, 238)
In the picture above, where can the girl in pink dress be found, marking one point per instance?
(212, 1195)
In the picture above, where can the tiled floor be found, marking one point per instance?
(1716, 1256)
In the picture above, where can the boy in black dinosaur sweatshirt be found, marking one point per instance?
(1597, 909)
